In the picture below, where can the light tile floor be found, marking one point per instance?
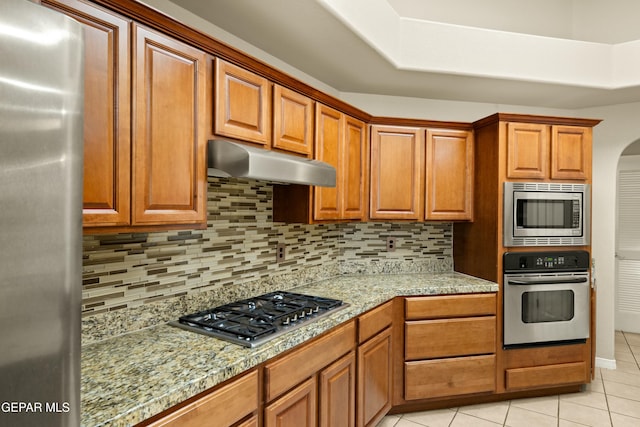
(612, 399)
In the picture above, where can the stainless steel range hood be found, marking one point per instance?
(230, 159)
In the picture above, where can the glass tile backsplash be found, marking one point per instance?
(152, 277)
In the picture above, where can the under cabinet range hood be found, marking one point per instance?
(230, 159)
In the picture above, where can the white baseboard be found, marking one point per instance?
(605, 363)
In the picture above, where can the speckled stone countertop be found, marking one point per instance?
(132, 377)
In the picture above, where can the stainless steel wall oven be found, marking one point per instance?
(547, 298)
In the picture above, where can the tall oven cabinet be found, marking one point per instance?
(524, 148)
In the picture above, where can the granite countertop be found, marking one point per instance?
(132, 377)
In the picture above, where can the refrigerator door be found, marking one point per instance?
(41, 104)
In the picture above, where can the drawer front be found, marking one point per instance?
(449, 377)
(443, 306)
(430, 339)
(374, 321)
(304, 362)
(223, 406)
(544, 376)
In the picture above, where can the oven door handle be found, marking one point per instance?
(547, 281)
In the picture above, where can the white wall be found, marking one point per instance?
(620, 127)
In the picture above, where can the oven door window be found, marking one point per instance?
(548, 306)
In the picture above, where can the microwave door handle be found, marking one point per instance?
(546, 282)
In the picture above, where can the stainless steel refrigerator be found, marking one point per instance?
(41, 128)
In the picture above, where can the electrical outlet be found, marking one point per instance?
(281, 252)
(391, 244)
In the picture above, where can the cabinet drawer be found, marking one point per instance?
(222, 407)
(430, 339)
(374, 321)
(438, 307)
(550, 375)
(449, 377)
(302, 363)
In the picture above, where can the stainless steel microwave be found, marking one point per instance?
(546, 214)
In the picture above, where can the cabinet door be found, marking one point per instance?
(354, 169)
(337, 393)
(527, 150)
(169, 133)
(292, 121)
(397, 165)
(298, 408)
(329, 124)
(107, 114)
(449, 170)
(571, 152)
(242, 104)
(374, 379)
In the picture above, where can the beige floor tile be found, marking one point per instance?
(598, 373)
(630, 367)
(621, 377)
(623, 406)
(619, 420)
(584, 414)
(496, 412)
(406, 423)
(625, 356)
(632, 339)
(435, 418)
(519, 417)
(567, 423)
(591, 399)
(595, 385)
(622, 390)
(464, 420)
(635, 349)
(547, 405)
(389, 421)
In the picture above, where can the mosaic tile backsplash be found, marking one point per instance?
(136, 280)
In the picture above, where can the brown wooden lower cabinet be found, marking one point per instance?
(348, 377)
(449, 377)
(296, 408)
(251, 422)
(374, 379)
(338, 393)
(222, 407)
(430, 339)
(546, 376)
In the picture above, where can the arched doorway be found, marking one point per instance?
(627, 313)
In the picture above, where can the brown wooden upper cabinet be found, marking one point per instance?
(142, 165)
(397, 173)
(449, 192)
(419, 174)
(542, 151)
(341, 141)
(107, 113)
(292, 121)
(170, 130)
(242, 104)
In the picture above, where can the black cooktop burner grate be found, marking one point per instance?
(252, 321)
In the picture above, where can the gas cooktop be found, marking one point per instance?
(254, 321)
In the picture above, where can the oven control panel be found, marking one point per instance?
(546, 261)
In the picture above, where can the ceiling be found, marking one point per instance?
(313, 38)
